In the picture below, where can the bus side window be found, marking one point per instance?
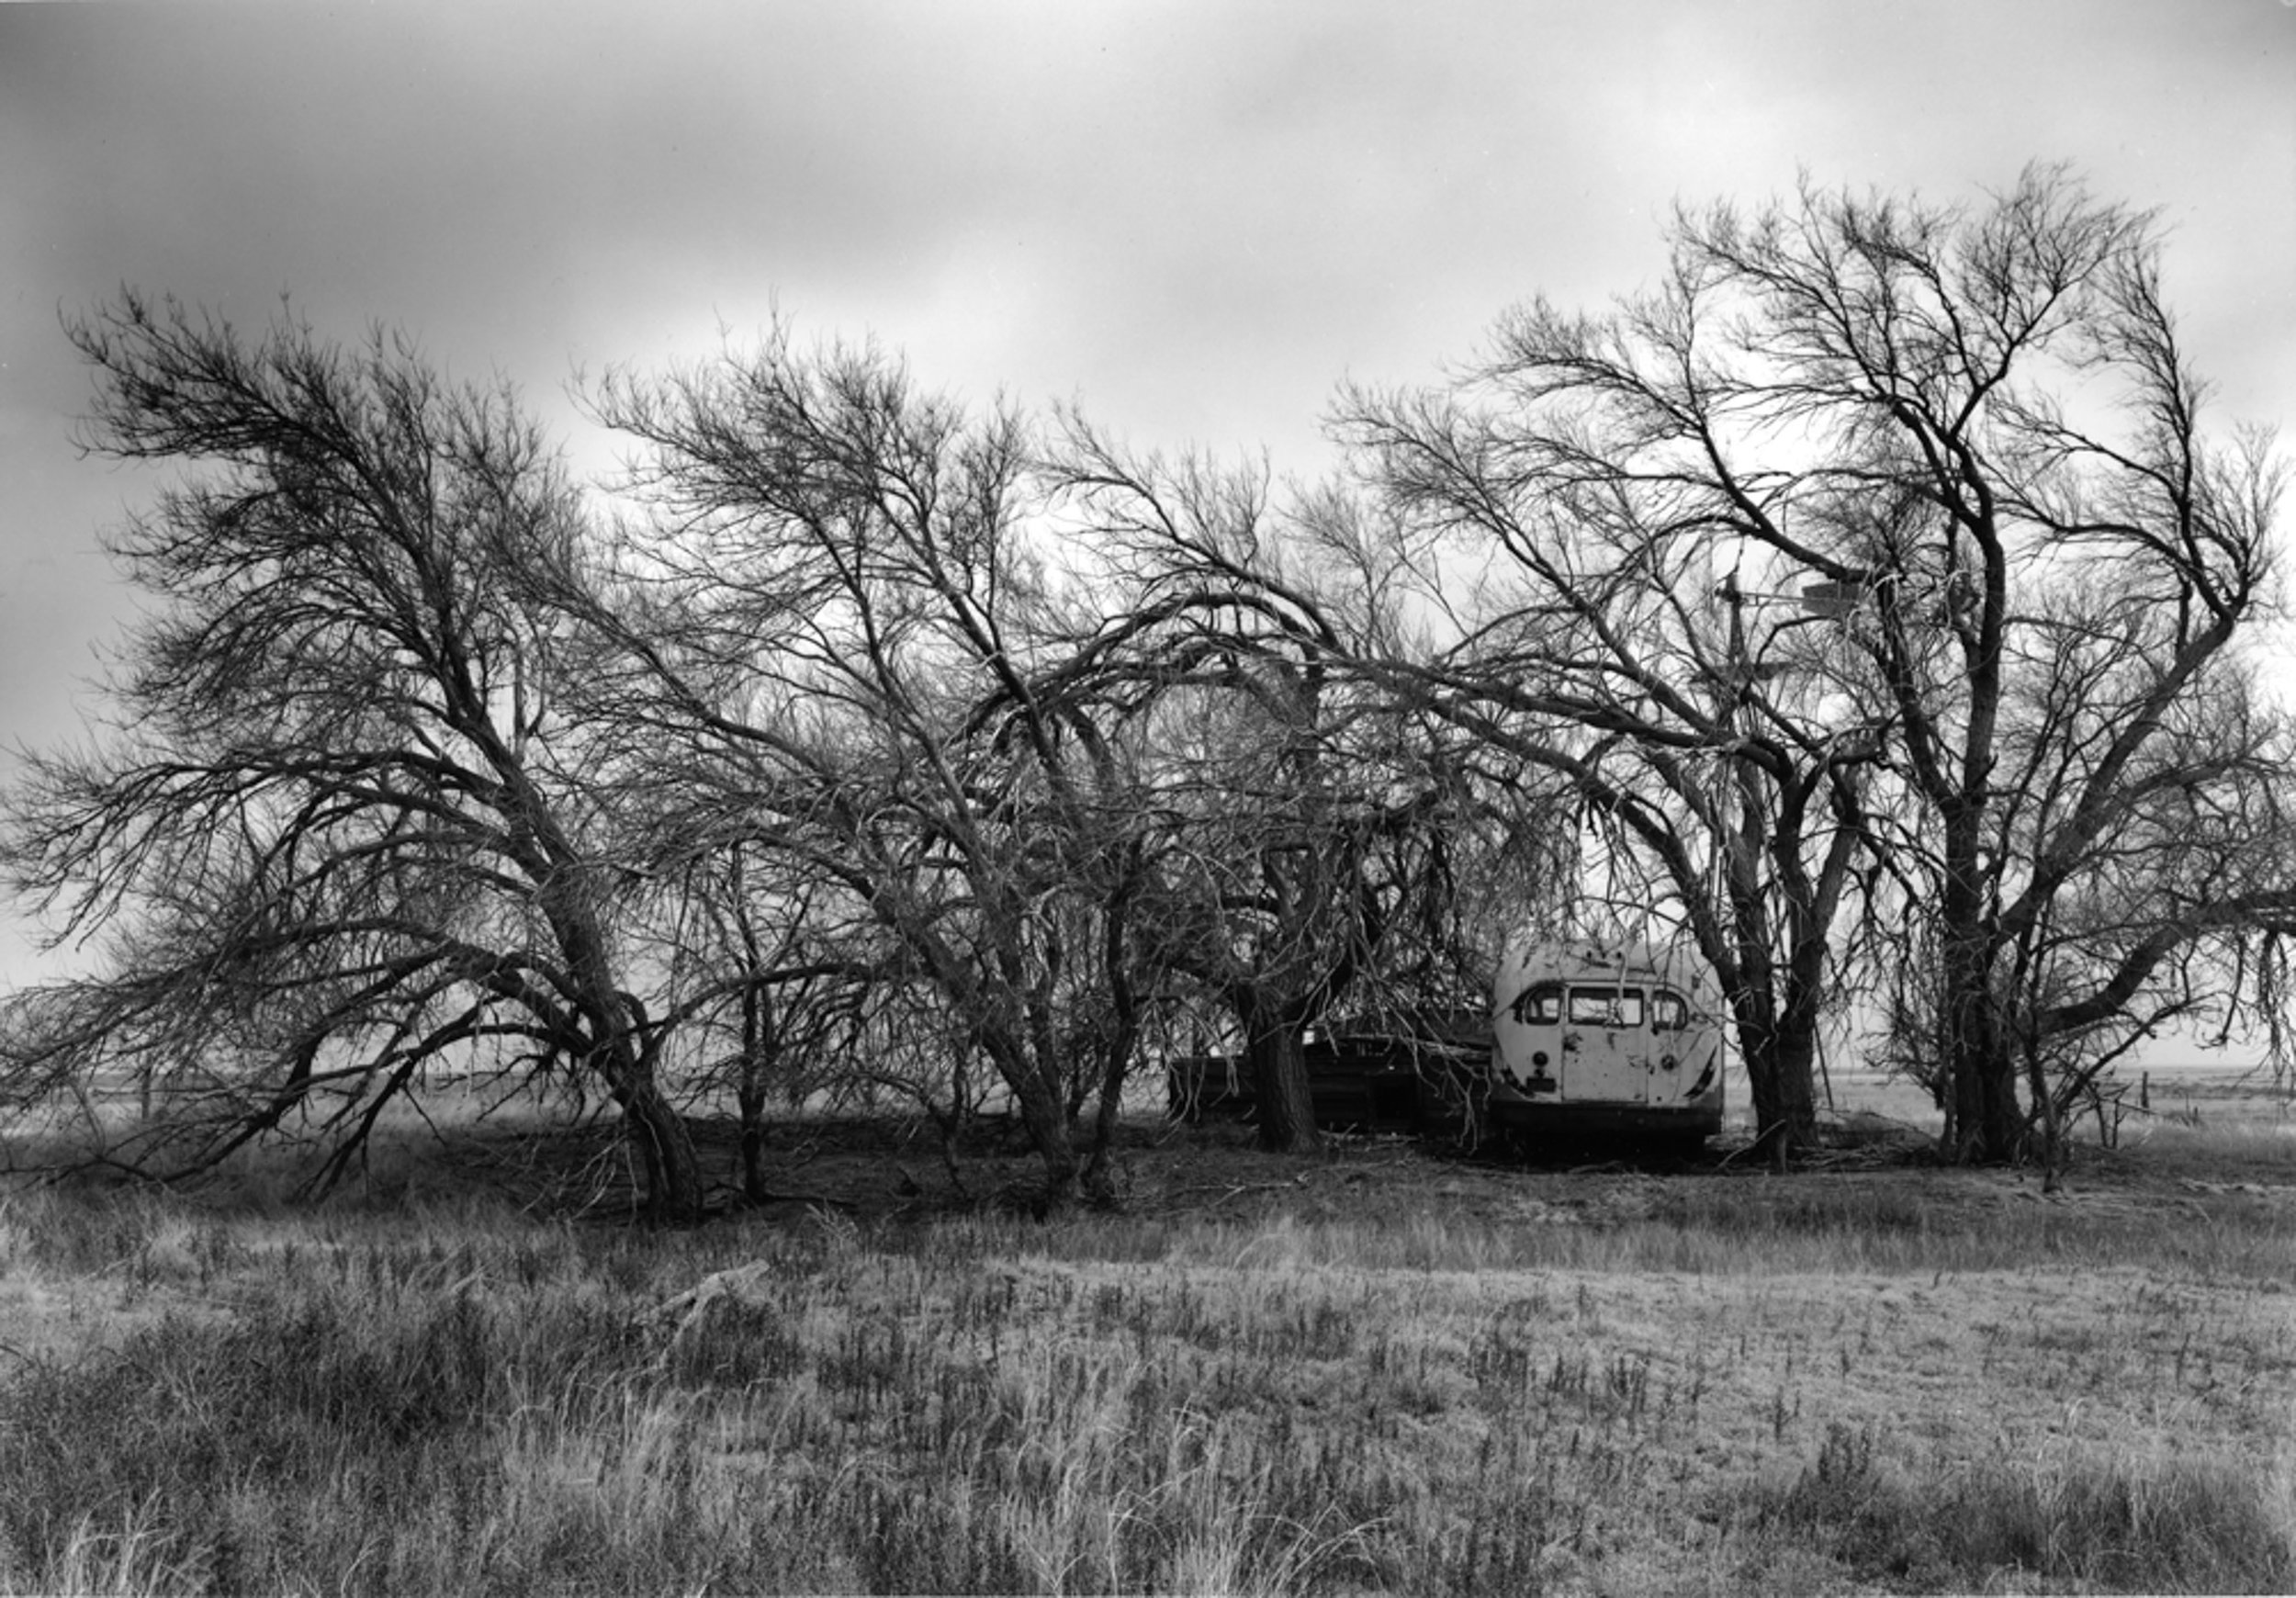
(1606, 1007)
(1539, 1005)
(1668, 1012)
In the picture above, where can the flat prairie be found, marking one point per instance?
(1384, 1368)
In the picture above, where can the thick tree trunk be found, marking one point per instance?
(1047, 1120)
(1279, 1086)
(665, 1149)
(1777, 1042)
(1987, 1127)
(1984, 1124)
(1990, 1124)
(1781, 1073)
(1036, 1093)
(565, 893)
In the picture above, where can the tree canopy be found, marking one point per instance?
(1877, 567)
(1873, 602)
(336, 825)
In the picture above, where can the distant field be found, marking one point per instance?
(2244, 1093)
(1383, 1370)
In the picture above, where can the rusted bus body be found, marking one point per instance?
(1585, 1040)
(1605, 1039)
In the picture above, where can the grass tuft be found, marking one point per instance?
(2088, 1521)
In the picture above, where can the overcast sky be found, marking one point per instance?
(1194, 219)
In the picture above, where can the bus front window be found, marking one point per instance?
(1539, 1006)
(1606, 1007)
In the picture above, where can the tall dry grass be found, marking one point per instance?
(1715, 1386)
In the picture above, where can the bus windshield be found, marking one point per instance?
(1540, 1004)
(1606, 1007)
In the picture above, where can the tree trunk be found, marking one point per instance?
(1777, 1042)
(666, 1151)
(750, 1097)
(1047, 1120)
(565, 891)
(1035, 1092)
(1279, 1086)
(2045, 1109)
(1099, 1169)
(757, 1053)
(1123, 1031)
(1990, 1123)
(1099, 1186)
(1988, 1127)
(1780, 1072)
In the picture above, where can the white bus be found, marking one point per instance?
(1607, 1039)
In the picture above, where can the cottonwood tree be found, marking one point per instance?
(1567, 521)
(336, 829)
(1969, 435)
(2136, 858)
(1292, 811)
(1264, 891)
(849, 606)
(2057, 568)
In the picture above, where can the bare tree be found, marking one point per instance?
(2103, 936)
(1567, 523)
(2056, 566)
(1291, 806)
(1969, 440)
(337, 829)
(857, 602)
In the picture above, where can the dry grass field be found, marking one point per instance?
(1383, 1370)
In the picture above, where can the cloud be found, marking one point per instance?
(1198, 218)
